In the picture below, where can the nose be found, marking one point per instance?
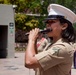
(48, 25)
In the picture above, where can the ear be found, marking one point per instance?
(64, 26)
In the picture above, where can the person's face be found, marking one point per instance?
(40, 35)
(56, 27)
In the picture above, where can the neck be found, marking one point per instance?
(56, 39)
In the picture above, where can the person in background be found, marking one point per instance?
(42, 42)
(56, 59)
(74, 59)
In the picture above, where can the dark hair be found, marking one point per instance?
(69, 33)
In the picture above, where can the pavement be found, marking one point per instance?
(15, 66)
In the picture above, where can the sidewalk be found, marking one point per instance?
(15, 66)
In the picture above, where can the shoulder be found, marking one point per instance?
(61, 48)
(62, 43)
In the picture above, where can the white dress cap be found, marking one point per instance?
(56, 9)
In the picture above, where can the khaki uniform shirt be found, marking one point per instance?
(56, 59)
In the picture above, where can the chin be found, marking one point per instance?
(49, 35)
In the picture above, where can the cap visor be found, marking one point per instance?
(46, 19)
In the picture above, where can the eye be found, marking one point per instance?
(51, 21)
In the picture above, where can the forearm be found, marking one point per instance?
(30, 50)
(30, 59)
